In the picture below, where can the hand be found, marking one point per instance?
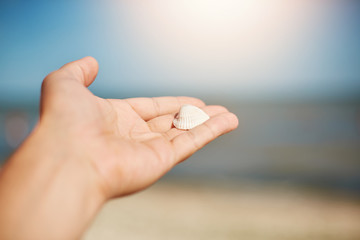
(130, 143)
(86, 150)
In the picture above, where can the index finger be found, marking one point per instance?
(190, 141)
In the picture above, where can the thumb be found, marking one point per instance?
(61, 82)
(83, 70)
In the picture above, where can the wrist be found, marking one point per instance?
(69, 151)
(48, 178)
(67, 156)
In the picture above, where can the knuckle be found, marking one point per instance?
(211, 131)
(47, 80)
(156, 106)
(193, 140)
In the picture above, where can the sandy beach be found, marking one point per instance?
(180, 210)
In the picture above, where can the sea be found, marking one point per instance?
(312, 144)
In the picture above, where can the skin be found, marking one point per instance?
(86, 150)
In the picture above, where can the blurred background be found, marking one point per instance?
(290, 70)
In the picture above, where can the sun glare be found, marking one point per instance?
(212, 39)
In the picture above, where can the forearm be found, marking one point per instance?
(46, 191)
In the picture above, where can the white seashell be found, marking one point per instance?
(189, 117)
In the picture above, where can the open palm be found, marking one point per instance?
(129, 143)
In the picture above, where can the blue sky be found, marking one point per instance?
(234, 49)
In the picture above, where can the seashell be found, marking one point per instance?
(189, 117)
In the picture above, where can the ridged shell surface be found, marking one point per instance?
(189, 117)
